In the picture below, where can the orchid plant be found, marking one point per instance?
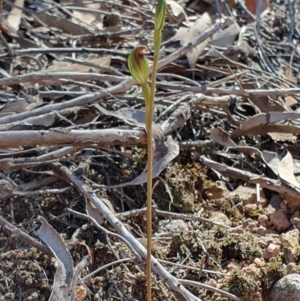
(139, 69)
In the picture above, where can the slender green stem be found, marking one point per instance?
(159, 22)
(149, 199)
(149, 116)
(139, 69)
(147, 97)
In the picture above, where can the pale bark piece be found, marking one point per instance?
(87, 13)
(64, 272)
(272, 160)
(52, 78)
(186, 36)
(282, 137)
(62, 136)
(286, 171)
(14, 18)
(176, 13)
(79, 67)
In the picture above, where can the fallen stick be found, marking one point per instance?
(249, 177)
(118, 89)
(104, 137)
(172, 283)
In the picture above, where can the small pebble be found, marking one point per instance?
(291, 268)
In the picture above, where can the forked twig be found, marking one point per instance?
(120, 88)
(172, 283)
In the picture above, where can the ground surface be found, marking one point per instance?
(226, 205)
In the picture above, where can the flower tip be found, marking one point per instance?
(160, 14)
(138, 65)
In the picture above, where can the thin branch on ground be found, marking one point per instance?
(210, 288)
(13, 230)
(179, 291)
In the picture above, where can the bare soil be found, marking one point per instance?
(213, 205)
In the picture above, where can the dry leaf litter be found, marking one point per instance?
(226, 151)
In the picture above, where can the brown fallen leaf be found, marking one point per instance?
(251, 5)
(14, 107)
(210, 7)
(262, 104)
(163, 153)
(289, 100)
(89, 250)
(63, 24)
(174, 69)
(269, 158)
(254, 124)
(268, 129)
(289, 75)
